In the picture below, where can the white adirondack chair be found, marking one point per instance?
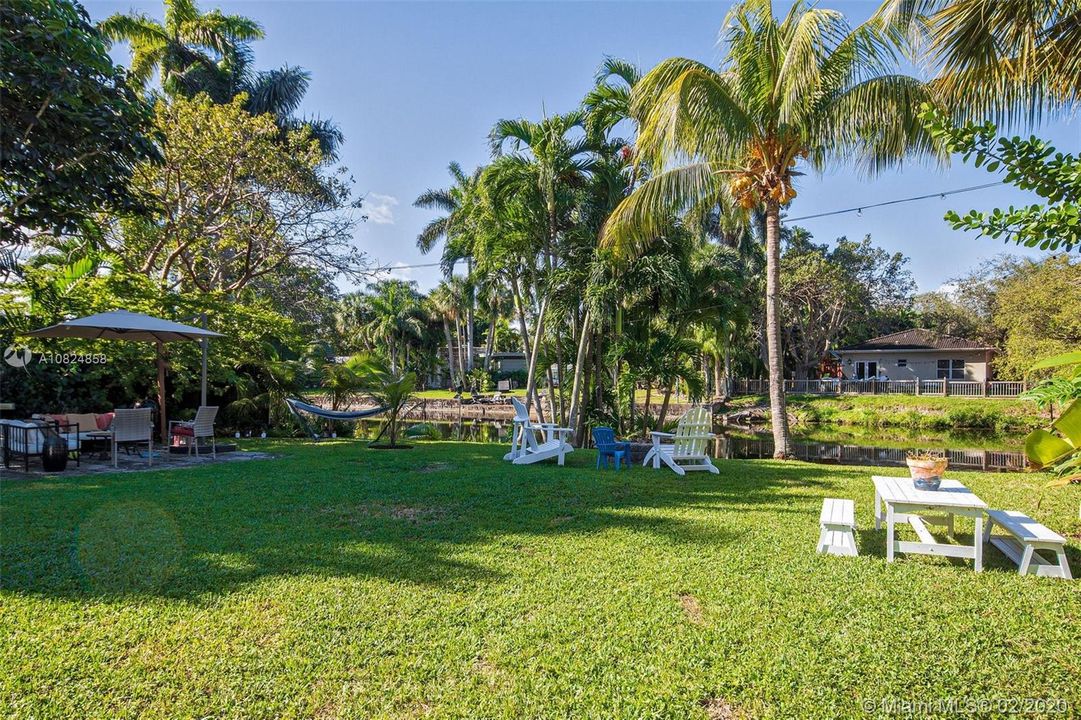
(688, 448)
(525, 448)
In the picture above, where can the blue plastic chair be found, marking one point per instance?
(608, 447)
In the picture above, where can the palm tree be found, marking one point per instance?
(397, 317)
(457, 202)
(197, 52)
(806, 89)
(547, 164)
(609, 102)
(444, 305)
(1002, 59)
(186, 43)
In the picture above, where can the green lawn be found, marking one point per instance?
(338, 581)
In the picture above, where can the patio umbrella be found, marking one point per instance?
(124, 325)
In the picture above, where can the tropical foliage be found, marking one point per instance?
(806, 88)
(71, 130)
(632, 249)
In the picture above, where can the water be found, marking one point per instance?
(848, 446)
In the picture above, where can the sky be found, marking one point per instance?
(415, 85)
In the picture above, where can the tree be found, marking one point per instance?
(804, 89)
(1030, 164)
(547, 163)
(71, 130)
(196, 52)
(1037, 309)
(397, 317)
(444, 306)
(454, 227)
(1004, 59)
(181, 49)
(386, 388)
(260, 208)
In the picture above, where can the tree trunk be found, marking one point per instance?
(450, 350)
(458, 341)
(531, 380)
(778, 410)
(579, 371)
(531, 386)
(470, 307)
(664, 407)
(720, 389)
(489, 346)
(562, 379)
(645, 409)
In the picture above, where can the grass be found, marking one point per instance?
(909, 411)
(337, 581)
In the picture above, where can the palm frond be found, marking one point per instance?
(279, 91)
(518, 131)
(431, 234)
(440, 199)
(695, 116)
(628, 72)
(852, 130)
(648, 212)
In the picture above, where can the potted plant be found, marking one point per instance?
(926, 469)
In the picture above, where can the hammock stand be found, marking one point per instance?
(299, 406)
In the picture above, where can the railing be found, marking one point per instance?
(752, 448)
(831, 386)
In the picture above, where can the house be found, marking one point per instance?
(916, 353)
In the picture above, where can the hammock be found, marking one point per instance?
(297, 407)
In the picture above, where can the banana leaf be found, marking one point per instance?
(1068, 424)
(1044, 449)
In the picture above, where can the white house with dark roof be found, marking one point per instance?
(916, 353)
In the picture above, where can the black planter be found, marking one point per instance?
(54, 453)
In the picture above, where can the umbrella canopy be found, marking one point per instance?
(123, 325)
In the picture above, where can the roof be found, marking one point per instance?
(915, 339)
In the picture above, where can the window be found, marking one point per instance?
(902, 363)
(951, 369)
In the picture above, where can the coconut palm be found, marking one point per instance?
(806, 89)
(1002, 59)
(186, 43)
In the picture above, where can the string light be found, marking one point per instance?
(859, 210)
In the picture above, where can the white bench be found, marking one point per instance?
(838, 525)
(1026, 537)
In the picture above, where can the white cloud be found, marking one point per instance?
(380, 208)
(947, 288)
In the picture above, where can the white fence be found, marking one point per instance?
(961, 388)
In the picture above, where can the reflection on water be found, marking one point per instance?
(868, 454)
(971, 451)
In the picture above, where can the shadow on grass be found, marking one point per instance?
(427, 516)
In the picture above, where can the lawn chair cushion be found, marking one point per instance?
(105, 421)
(28, 442)
(85, 421)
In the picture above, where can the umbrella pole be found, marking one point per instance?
(162, 422)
